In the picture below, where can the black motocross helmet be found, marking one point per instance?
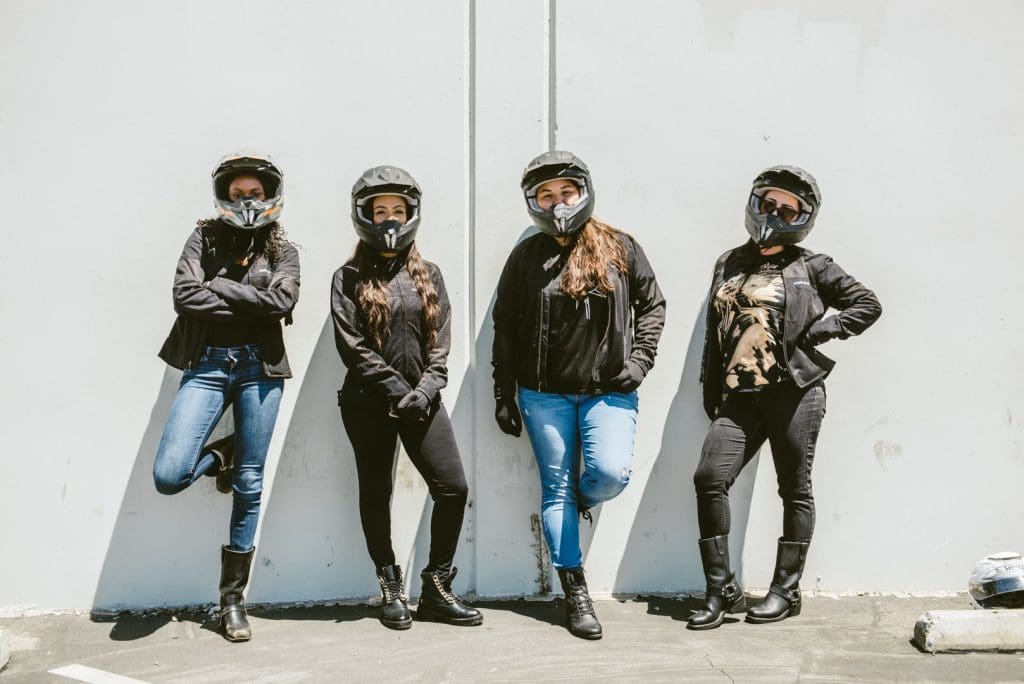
(768, 230)
(560, 220)
(248, 213)
(389, 236)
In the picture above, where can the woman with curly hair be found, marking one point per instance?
(237, 279)
(392, 328)
(577, 319)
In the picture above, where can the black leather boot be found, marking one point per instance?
(224, 451)
(724, 593)
(783, 599)
(394, 604)
(579, 609)
(439, 604)
(234, 576)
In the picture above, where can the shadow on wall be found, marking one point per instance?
(311, 545)
(663, 540)
(164, 550)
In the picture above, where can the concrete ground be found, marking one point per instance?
(861, 639)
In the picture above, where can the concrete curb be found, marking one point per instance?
(961, 631)
(5, 650)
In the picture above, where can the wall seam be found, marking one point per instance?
(470, 251)
(551, 64)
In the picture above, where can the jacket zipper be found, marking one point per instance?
(540, 343)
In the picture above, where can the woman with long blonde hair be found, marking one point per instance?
(577, 319)
(392, 328)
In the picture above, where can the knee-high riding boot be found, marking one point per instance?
(724, 593)
(234, 576)
(783, 599)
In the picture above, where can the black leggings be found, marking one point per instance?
(790, 419)
(432, 449)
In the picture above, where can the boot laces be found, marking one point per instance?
(581, 602)
(392, 589)
(444, 588)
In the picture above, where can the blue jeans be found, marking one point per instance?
(560, 426)
(224, 376)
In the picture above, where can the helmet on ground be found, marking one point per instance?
(559, 219)
(387, 236)
(768, 230)
(998, 581)
(248, 213)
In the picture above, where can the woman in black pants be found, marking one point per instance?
(763, 378)
(392, 327)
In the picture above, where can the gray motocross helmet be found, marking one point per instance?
(768, 230)
(388, 236)
(248, 213)
(560, 219)
(998, 581)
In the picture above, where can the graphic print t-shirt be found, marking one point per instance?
(751, 307)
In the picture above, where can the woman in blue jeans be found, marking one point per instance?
(577, 319)
(237, 279)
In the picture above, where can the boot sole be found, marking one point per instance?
(762, 621)
(392, 624)
(460, 622)
(588, 637)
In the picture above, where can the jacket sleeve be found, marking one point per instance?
(711, 358)
(648, 310)
(355, 351)
(504, 352)
(191, 296)
(274, 301)
(858, 307)
(435, 375)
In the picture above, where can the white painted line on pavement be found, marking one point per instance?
(91, 675)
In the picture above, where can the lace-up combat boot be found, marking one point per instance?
(439, 604)
(579, 609)
(394, 604)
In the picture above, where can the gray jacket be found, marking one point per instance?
(200, 296)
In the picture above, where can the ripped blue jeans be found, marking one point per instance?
(224, 376)
(561, 426)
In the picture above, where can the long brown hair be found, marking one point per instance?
(372, 293)
(597, 247)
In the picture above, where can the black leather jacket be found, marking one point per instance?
(813, 283)
(269, 294)
(522, 319)
(404, 363)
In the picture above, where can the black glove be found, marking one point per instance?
(822, 330)
(628, 379)
(507, 414)
(413, 407)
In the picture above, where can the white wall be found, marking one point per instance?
(113, 113)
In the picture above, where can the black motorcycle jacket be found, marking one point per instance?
(523, 319)
(266, 296)
(813, 284)
(404, 363)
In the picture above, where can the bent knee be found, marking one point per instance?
(604, 484)
(709, 480)
(168, 483)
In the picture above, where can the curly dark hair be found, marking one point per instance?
(265, 240)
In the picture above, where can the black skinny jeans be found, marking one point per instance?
(790, 419)
(432, 449)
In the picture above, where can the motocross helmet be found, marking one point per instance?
(248, 213)
(390, 235)
(768, 230)
(560, 219)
